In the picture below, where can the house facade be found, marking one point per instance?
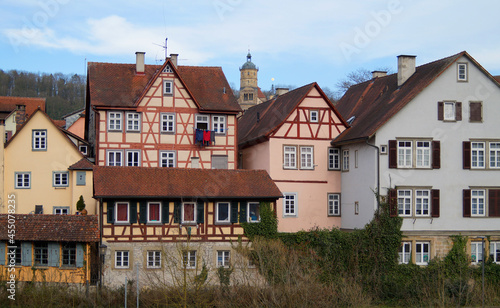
(426, 139)
(289, 137)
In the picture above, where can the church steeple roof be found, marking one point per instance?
(249, 64)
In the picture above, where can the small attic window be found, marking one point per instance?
(313, 116)
(83, 149)
(462, 71)
(167, 69)
(168, 87)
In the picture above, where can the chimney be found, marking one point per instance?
(20, 115)
(173, 58)
(406, 68)
(139, 62)
(376, 74)
(281, 91)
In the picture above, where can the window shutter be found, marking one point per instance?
(243, 212)
(475, 112)
(200, 212)
(110, 212)
(234, 212)
(133, 212)
(393, 154)
(2, 253)
(80, 254)
(466, 202)
(143, 212)
(53, 254)
(466, 154)
(393, 203)
(435, 202)
(177, 211)
(494, 202)
(458, 111)
(440, 111)
(436, 154)
(26, 253)
(164, 212)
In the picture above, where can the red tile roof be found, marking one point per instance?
(82, 164)
(8, 104)
(118, 85)
(141, 182)
(61, 228)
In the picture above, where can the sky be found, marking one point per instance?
(293, 43)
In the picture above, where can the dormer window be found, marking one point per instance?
(462, 71)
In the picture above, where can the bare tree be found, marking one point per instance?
(358, 76)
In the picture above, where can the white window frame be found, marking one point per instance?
(24, 177)
(422, 202)
(289, 157)
(290, 204)
(405, 202)
(115, 154)
(122, 259)
(420, 257)
(115, 120)
(345, 160)
(136, 159)
(423, 153)
(195, 210)
(116, 213)
(462, 72)
(202, 119)
(478, 203)
(314, 116)
(168, 90)
(228, 220)
(405, 153)
(333, 159)
(159, 212)
(61, 210)
(477, 151)
(333, 204)
(167, 123)
(39, 142)
(169, 157)
(307, 157)
(494, 155)
(477, 248)
(83, 149)
(133, 121)
(153, 258)
(495, 252)
(223, 258)
(219, 124)
(189, 259)
(60, 179)
(248, 212)
(404, 253)
(449, 111)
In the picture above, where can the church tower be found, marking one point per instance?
(249, 90)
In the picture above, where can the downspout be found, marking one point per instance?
(378, 172)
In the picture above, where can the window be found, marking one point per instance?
(19, 255)
(494, 155)
(383, 149)
(69, 254)
(333, 159)
(306, 158)
(83, 149)
(114, 121)
(481, 154)
(114, 158)
(223, 212)
(168, 122)
(290, 157)
(356, 207)
(167, 69)
(23, 180)
(345, 160)
(195, 162)
(476, 252)
(475, 112)
(422, 202)
(80, 178)
(61, 210)
(38, 209)
(133, 122)
(219, 162)
(60, 179)
(462, 71)
(422, 253)
(189, 259)
(154, 212)
(481, 202)
(248, 96)
(39, 140)
(188, 212)
(449, 111)
(415, 202)
(313, 116)
(477, 155)
(133, 158)
(423, 153)
(415, 154)
(290, 204)
(404, 202)
(219, 124)
(253, 211)
(223, 258)
(168, 87)
(122, 212)
(41, 253)
(167, 159)
(494, 252)
(154, 259)
(477, 202)
(333, 204)
(121, 259)
(202, 121)
(404, 253)
(404, 154)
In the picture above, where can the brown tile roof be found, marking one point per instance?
(141, 182)
(82, 164)
(8, 104)
(375, 101)
(118, 85)
(41, 227)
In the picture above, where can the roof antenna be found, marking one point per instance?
(166, 53)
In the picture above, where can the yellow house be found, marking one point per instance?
(45, 169)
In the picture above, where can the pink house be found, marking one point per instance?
(289, 137)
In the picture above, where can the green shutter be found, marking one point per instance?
(177, 211)
(110, 212)
(143, 212)
(164, 212)
(2, 253)
(26, 248)
(243, 212)
(53, 254)
(200, 212)
(234, 212)
(133, 212)
(80, 254)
